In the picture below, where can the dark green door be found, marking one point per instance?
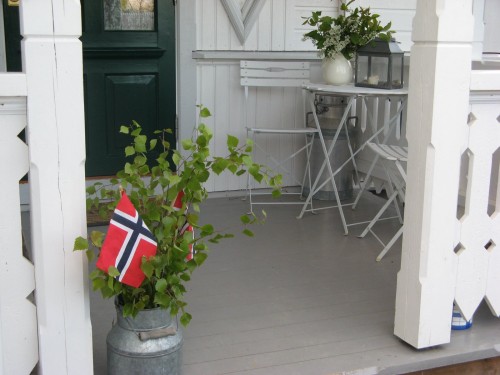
(129, 74)
(12, 37)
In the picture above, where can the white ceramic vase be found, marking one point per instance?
(337, 70)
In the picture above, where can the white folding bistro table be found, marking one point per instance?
(351, 93)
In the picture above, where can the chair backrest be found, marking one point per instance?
(274, 73)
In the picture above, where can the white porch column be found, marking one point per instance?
(52, 59)
(437, 108)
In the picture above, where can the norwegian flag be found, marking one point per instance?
(127, 241)
(186, 227)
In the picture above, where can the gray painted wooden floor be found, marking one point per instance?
(300, 298)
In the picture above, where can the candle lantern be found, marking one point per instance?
(380, 65)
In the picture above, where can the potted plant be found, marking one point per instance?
(338, 39)
(164, 199)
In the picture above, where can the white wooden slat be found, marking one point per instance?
(236, 120)
(18, 321)
(199, 25)
(364, 111)
(278, 26)
(13, 84)
(491, 41)
(288, 65)
(209, 18)
(206, 97)
(294, 30)
(374, 113)
(265, 22)
(485, 80)
(476, 277)
(398, 121)
(387, 114)
(277, 72)
(220, 114)
(387, 4)
(272, 82)
(223, 29)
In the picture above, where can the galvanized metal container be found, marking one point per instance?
(149, 344)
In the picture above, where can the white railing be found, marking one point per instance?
(48, 101)
(18, 323)
(453, 120)
(477, 242)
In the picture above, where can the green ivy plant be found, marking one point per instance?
(346, 33)
(152, 189)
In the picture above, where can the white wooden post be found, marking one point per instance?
(52, 61)
(438, 105)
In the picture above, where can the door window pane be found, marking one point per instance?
(129, 15)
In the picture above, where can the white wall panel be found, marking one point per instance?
(295, 11)
(278, 28)
(491, 26)
(400, 13)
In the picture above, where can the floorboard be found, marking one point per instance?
(301, 298)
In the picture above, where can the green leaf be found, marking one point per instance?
(140, 160)
(161, 285)
(199, 258)
(204, 112)
(207, 229)
(98, 283)
(90, 255)
(124, 129)
(129, 150)
(81, 244)
(147, 268)
(248, 232)
(113, 271)
(128, 168)
(152, 144)
(245, 219)
(232, 141)
(219, 165)
(187, 144)
(176, 158)
(185, 319)
(162, 299)
(97, 238)
(247, 160)
(140, 147)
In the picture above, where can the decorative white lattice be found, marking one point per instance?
(478, 223)
(18, 324)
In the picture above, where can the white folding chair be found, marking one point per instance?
(391, 158)
(278, 74)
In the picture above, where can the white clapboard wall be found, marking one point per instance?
(278, 28)
(220, 90)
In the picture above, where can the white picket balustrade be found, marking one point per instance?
(52, 59)
(453, 119)
(48, 100)
(18, 323)
(478, 227)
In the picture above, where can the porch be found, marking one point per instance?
(301, 298)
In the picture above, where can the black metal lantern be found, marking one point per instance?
(379, 65)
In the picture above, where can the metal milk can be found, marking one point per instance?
(149, 344)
